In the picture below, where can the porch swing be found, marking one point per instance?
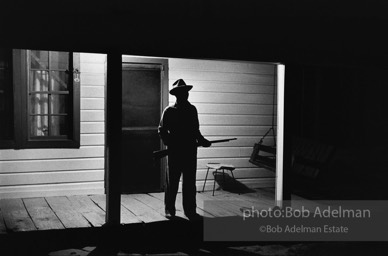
(264, 156)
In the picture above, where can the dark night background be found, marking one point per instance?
(335, 53)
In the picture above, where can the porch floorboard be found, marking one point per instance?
(67, 212)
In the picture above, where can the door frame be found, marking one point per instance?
(164, 100)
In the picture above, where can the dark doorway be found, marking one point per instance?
(143, 88)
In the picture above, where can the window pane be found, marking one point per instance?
(39, 126)
(59, 60)
(39, 103)
(38, 81)
(59, 81)
(39, 59)
(58, 125)
(59, 104)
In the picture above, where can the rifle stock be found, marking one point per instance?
(163, 153)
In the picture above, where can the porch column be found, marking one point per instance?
(113, 154)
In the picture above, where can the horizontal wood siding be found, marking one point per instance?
(234, 99)
(56, 172)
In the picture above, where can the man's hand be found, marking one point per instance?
(205, 143)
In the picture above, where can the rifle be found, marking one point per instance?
(163, 153)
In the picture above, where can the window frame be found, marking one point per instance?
(21, 102)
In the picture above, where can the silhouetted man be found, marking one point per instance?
(179, 130)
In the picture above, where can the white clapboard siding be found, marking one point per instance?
(230, 98)
(211, 86)
(92, 127)
(233, 99)
(254, 120)
(93, 139)
(92, 104)
(92, 92)
(243, 78)
(222, 66)
(92, 116)
(234, 130)
(234, 109)
(52, 153)
(246, 141)
(92, 79)
(215, 151)
(32, 166)
(249, 183)
(240, 173)
(63, 189)
(48, 172)
(56, 177)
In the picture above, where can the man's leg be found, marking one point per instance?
(172, 184)
(189, 188)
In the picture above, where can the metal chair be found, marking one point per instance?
(218, 167)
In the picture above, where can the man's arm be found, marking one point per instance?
(200, 139)
(163, 128)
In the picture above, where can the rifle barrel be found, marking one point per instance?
(164, 152)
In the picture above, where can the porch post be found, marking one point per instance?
(113, 138)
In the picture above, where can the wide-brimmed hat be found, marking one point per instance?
(179, 85)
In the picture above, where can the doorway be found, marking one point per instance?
(144, 96)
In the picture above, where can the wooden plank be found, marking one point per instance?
(92, 67)
(92, 127)
(230, 98)
(241, 141)
(247, 183)
(160, 196)
(240, 201)
(52, 153)
(28, 191)
(51, 177)
(141, 210)
(15, 215)
(224, 152)
(234, 109)
(92, 139)
(93, 92)
(92, 116)
(243, 173)
(262, 195)
(197, 75)
(66, 213)
(92, 104)
(42, 165)
(92, 79)
(208, 130)
(255, 120)
(84, 205)
(222, 65)
(206, 205)
(236, 162)
(41, 214)
(127, 217)
(3, 229)
(92, 57)
(178, 205)
(214, 86)
(215, 200)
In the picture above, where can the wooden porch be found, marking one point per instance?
(69, 212)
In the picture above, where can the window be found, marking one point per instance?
(46, 99)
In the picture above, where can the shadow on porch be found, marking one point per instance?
(52, 223)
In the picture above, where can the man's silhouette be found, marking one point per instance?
(179, 130)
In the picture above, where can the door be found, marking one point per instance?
(142, 105)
